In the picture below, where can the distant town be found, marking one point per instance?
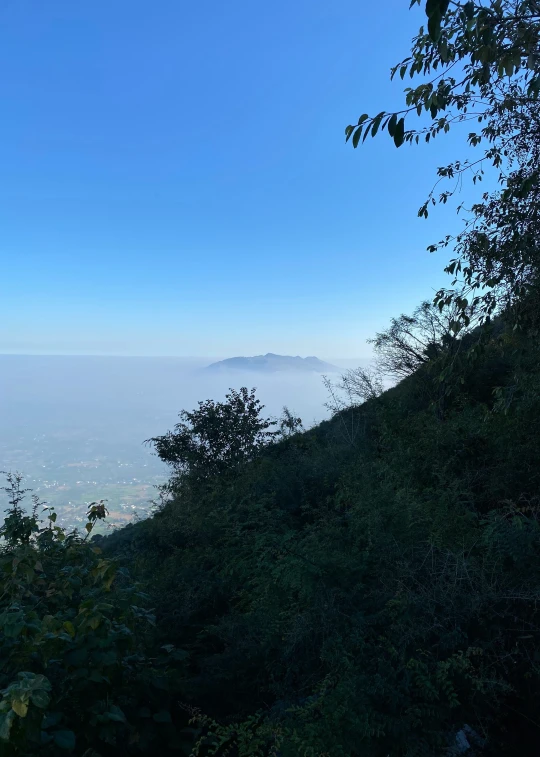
(70, 485)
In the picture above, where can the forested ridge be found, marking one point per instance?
(366, 587)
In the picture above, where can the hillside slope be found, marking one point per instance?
(369, 587)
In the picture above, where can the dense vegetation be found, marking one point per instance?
(369, 587)
(75, 640)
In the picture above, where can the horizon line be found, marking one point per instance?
(183, 357)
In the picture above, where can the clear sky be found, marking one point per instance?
(174, 178)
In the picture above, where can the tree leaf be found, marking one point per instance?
(392, 125)
(443, 50)
(434, 26)
(115, 714)
(399, 132)
(20, 707)
(368, 127)
(163, 716)
(13, 630)
(40, 698)
(356, 137)
(51, 719)
(6, 721)
(64, 740)
(469, 9)
(76, 657)
(376, 124)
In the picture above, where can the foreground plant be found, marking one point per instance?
(480, 69)
(75, 633)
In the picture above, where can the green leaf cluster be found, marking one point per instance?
(479, 65)
(77, 652)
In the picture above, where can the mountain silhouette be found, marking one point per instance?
(271, 363)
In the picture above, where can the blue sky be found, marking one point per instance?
(174, 178)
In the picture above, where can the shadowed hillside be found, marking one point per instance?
(370, 580)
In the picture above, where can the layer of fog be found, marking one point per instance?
(64, 403)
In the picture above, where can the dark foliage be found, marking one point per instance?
(216, 438)
(79, 668)
(480, 69)
(370, 596)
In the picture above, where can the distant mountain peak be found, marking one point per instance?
(272, 363)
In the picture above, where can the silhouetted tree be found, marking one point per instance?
(216, 437)
(413, 340)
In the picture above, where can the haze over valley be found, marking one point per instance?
(75, 425)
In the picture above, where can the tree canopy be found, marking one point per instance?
(480, 68)
(216, 437)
